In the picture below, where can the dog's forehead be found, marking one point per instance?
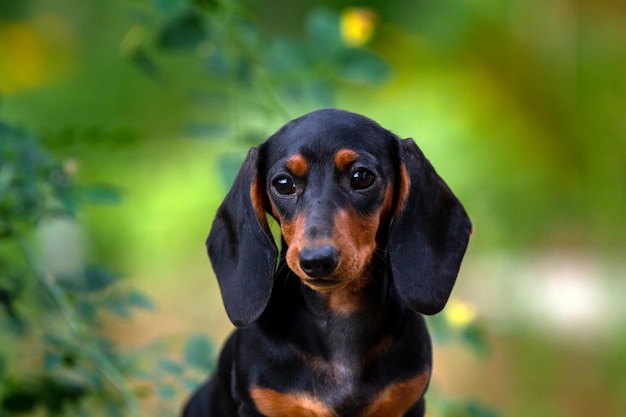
(320, 135)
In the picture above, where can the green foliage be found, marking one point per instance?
(30, 184)
(269, 73)
(472, 334)
(198, 352)
(55, 355)
(186, 31)
(470, 408)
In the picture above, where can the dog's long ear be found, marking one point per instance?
(428, 236)
(241, 248)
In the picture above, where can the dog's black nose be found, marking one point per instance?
(319, 262)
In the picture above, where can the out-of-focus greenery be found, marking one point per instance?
(529, 89)
(520, 105)
(56, 356)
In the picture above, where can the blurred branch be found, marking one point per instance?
(83, 336)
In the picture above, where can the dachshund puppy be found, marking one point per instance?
(331, 325)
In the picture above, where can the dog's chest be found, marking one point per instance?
(340, 387)
(340, 367)
(338, 380)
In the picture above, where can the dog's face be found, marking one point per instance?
(343, 189)
(331, 185)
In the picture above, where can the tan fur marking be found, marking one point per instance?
(355, 235)
(386, 208)
(344, 158)
(275, 212)
(293, 232)
(397, 398)
(258, 202)
(378, 349)
(346, 300)
(403, 190)
(297, 165)
(277, 404)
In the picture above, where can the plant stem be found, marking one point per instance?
(80, 332)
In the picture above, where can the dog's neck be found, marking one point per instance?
(350, 322)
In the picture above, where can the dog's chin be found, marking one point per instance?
(323, 284)
(338, 280)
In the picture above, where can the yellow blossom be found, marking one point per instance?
(22, 57)
(33, 53)
(459, 313)
(357, 25)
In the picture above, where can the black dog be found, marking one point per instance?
(371, 238)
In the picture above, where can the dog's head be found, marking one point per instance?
(343, 190)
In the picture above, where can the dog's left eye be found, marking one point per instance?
(284, 185)
(362, 179)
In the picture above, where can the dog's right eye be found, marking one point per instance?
(284, 185)
(362, 179)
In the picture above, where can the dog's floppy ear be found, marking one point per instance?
(241, 248)
(428, 236)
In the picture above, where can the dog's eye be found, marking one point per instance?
(362, 179)
(284, 185)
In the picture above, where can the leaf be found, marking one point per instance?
(19, 400)
(118, 306)
(183, 33)
(60, 389)
(8, 296)
(199, 352)
(476, 337)
(170, 366)
(217, 63)
(476, 409)
(86, 310)
(322, 27)
(98, 278)
(166, 392)
(139, 299)
(123, 303)
(145, 63)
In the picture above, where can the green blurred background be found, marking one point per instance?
(520, 105)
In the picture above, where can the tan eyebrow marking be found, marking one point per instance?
(344, 158)
(297, 165)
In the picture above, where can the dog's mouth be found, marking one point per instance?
(323, 284)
